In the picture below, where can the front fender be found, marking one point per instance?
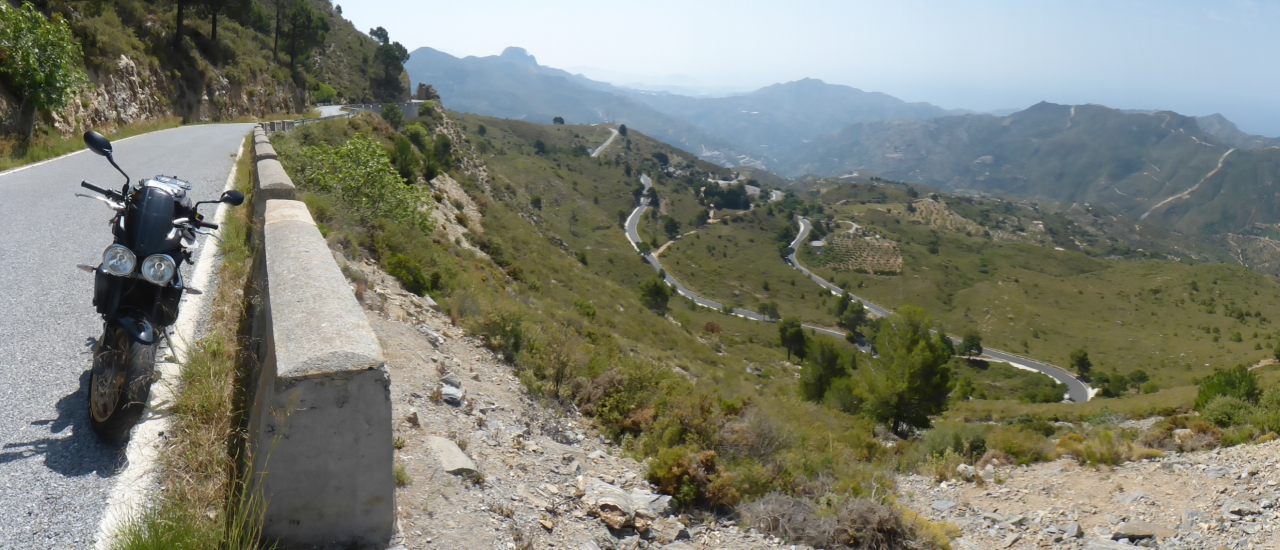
(139, 328)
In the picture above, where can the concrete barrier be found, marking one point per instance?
(320, 420)
(271, 182)
(263, 151)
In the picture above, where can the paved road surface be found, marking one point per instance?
(634, 236)
(601, 149)
(329, 110)
(54, 474)
(1078, 391)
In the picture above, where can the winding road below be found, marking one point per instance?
(1076, 389)
(633, 235)
(55, 476)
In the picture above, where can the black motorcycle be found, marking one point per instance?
(137, 287)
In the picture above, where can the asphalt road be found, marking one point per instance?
(633, 221)
(601, 149)
(1076, 389)
(54, 474)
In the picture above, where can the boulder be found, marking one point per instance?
(1073, 530)
(1241, 508)
(1134, 530)
(966, 472)
(451, 458)
(943, 505)
(618, 508)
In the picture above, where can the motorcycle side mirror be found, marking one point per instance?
(97, 143)
(233, 197)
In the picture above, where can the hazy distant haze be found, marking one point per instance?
(1196, 58)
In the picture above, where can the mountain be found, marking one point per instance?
(1159, 165)
(788, 114)
(1226, 131)
(513, 85)
(740, 130)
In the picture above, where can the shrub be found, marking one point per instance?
(1144, 454)
(393, 115)
(1239, 382)
(587, 309)
(410, 274)
(1227, 410)
(1237, 436)
(691, 477)
(359, 174)
(831, 522)
(1023, 446)
(712, 327)
(966, 440)
(503, 331)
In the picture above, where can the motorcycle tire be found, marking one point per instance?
(119, 384)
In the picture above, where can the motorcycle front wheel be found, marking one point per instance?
(119, 383)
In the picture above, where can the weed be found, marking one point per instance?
(401, 475)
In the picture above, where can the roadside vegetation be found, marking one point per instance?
(765, 419)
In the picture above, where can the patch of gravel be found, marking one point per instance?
(1224, 498)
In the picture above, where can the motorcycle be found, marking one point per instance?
(155, 222)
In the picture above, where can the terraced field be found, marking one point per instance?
(859, 254)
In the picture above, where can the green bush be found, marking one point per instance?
(503, 331)
(966, 440)
(1227, 410)
(393, 115)
(323, 93)
(1024, 445)
(1239, 382)
(411, 275)
(359, 175)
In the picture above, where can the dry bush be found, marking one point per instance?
(712, 327)
(996, 458)
(857, 523)
(756, 435)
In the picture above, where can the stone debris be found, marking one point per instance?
(1223, 498)
(528, 477)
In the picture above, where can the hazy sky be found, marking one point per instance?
(1196, 58)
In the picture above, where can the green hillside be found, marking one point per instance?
(1157, 166)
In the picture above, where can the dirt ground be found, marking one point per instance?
(1225, 498)
(537, 470)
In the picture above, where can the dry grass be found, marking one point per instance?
(202, 504)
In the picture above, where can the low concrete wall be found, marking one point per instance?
(319, 422)
(270, 182)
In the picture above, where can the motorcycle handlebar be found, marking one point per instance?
(206, 224)
(95, 188)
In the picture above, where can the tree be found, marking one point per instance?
(539, 147)
(654, 294)
(701, 218)
(854, 316)
(403, 158)
(393, 115)
(670, 226)
(1079, 360)
(623, 130)
(824, 366)
(443, 151)
(390, 56)
(971, 345)
(41, 59)
(180, 17)
(662, 158)
(558, 120)
(910, 381)
(791, 336)
(843, 304)
(768, 309)
(303, 29)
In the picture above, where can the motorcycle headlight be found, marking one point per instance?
(158, 269)
(118, 260)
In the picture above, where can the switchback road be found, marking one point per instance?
(633, 235)
(1076, 389)
(55, 476)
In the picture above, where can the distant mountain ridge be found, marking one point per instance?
(787, 114)
(743, 129)
(1159, 165)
